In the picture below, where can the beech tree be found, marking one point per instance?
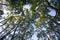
(21, 23)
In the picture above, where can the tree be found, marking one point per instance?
(21, 24)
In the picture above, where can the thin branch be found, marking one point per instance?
(58, 31)
(3, 4)
(52, 19)
(3, 20)
(3, 23)
(2, 37)
(3, 30)
(49, 5)
(13, 34)
(55, 21)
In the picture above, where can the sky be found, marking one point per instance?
(52, 12)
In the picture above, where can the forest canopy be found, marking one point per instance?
(22, 23)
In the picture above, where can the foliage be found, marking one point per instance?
(20, 21)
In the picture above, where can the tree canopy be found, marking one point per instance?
(21, 23)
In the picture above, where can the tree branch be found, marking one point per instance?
(49, 5)
(58, 31)
(3, 4)
(14, 33)
(2, 37)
